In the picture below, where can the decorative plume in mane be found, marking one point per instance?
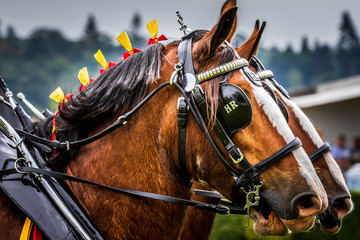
(117, 89)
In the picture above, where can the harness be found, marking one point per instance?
(233, 102)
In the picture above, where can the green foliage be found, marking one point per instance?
(232, 227)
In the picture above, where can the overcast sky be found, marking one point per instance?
(287, 20)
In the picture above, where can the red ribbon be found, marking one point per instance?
(155, 40)
(67, 97)
(37, 234)
(111, 64)
(82, 87)
(130, 53)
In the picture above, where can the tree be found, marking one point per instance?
(322, 64)
(348, 48)
(305, 61)
(46, 43)
(348, 36)
(10, 34)
(136, 39)
(136, 22)
(10, 44)
(94, 40)
(91, 31)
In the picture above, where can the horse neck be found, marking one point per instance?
(135, 156)
(197, 217)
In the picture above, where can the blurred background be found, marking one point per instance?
(312, 47)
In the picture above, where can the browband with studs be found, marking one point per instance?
(265, 74)
(224, 68)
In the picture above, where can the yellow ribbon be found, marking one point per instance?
(153, 28)
(101, 59)
(26, 230)
(57, 95)
(124, 40)
(84, 76)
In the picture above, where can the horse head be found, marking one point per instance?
(325, 165)
(265, 135)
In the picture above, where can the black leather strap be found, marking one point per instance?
(229, 145)
(68, 145)
(325, 148)
(182, 118)
(59, 145)
(185, 56)
(209, 207)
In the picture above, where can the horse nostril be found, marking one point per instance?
(342, 206)
(306, 204)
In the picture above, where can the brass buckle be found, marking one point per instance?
(239, 159)
(252, 200)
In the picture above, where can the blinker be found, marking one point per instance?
(234, 108)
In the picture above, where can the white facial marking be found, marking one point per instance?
(309, 128)
(275, 116)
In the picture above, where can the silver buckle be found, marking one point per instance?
(252, 200)
(120, 118)
(182, 99)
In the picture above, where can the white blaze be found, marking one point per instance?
(272, 111)
(309, 128)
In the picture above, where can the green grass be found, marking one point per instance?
(232, 227)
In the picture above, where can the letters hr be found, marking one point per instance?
(230, 106)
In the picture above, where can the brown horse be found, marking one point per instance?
(327, 169)
(143, 154)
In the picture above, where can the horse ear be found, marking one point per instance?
(227, 5)
(257, 25)
(250, 47)
(217, 36)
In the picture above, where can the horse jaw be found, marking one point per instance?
(268, 227)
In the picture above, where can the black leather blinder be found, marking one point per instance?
(234, 108)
